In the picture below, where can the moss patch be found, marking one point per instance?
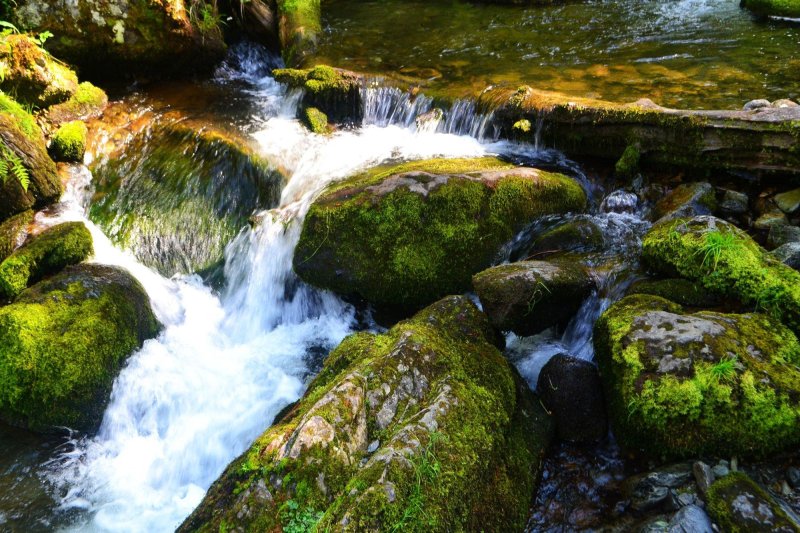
(24, 120)
(69, 142)
(402, 236)
(739, 505)
(87, 101)
(775, 8)
(49, 252)
(11, 230)
(335, 92)
(315, 120)
(32, 75)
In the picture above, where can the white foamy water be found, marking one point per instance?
(196, 396)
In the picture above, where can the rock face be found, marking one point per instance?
(682, 385)
(111, 38)
(49, 252)
(405, 235)
(177, 195)
(571, 390)
(530, 296)
(425, 426)
(63, 341)
(33, 76)
(686, 201)
(739, 505)
(726, 261)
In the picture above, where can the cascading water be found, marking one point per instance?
(192, 399)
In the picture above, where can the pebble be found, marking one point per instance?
(720, 470)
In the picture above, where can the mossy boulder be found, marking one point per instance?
(530, 296)
(315, 120)
(425, 427)
(87, 102)
(684, 385)
(402, 236)
(69, 142)
(177, 195)
(334, 92)
(32, 75)
(739, 505)
(27, 149)
(681, 291)
(726, 261)
(773, 8)
(47, 253)
(115, 38)
(63, 341)
(13, 232)
(685, 201)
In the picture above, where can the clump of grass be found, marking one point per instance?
(714, 245)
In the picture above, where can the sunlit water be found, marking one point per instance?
(682, 53)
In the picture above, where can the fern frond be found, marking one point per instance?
(13, 164)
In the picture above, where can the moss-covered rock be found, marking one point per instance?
(114, 38)
(87, 102)
(176, 195)
(299, 24)
(32, 75)
(683, 385)
(402, 236)
(315, 120)
(425, 427)
(738, 505)
(13, 232)
(678, 290)
(63, 341)
(27, 149)
(685, 201)
(69, 142)
(65, 244)
(335, 92)
(726, 261)
(531, 296)
(627, 165)
(773, 8)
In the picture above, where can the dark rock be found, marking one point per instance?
(651, 490)
(761, 103)
(571, 390)
(788, 254)
(688, 200)
(780, 234)
(530, 296)
(578, 235)
(793, 477)
(770, 219)
(703, 476)
(680, 291)
(737, 504)
(734, 203)
(13, 233)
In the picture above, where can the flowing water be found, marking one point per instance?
(682, 53)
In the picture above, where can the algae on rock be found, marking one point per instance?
(425, 427)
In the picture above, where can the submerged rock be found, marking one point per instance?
(63, 341)
(727, 262)
(683, 385)
(65, 244)
(530, 296)
(738, 505)
(424, 427)
(404, 235)
(177, 195)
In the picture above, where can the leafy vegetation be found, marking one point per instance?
(12, 165)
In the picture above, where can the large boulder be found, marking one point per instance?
(424, 427)
(32, 75)
(22, 147)
(530, 296)
(683, 385)
(739, 505)
(112, 38)
(334, 92)
(63, 341)
(65, 244)
(726, 261)
(176, 195)
(402, 236)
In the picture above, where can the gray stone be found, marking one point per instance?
(769, 219)
(788, 201)
(784, 102)
(793, 476)
(788, 254)
(734, 203)
(703, 476)
(780, 234)
(652, 489)
(761, 103)
(720, 470)
(690, 519)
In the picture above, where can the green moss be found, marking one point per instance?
(49, 252)
(628, 164)
(11, 230)
(680, 291)
(405, 235)
(24, 120)
(32, 75)
(685, 385)
(62, 343)
(315, 120)
(726, 261)
(300, 23)
(69, 142)
(775, 8)
(87, 101)
(757, 513)
(335, 92)
(468, 423)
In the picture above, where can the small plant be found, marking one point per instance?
(426, 470)
(713, 246)
(539, 291)
(297, 520)
(12, 165)
(725, 369)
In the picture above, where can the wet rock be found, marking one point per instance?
(63, 341)
(686, 201)
(680, 291)
(793, 477)
(769, 219)
(720, 470)
(761, 103)
(690, 519)
(47, 253)
(335, 92)
(727, 262)
(736, 503)
(780, 234)
(578, 235)
(733, 203)
(315, 120)
(402, 236)
(703, 476)
(788, 201)
(571, 390)
(788, 254)
(530, 296)
(683, 385)
(461, 436)
(87, 102)
(652, 490)
(69, 142)
(32, 75)
(13, 233)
